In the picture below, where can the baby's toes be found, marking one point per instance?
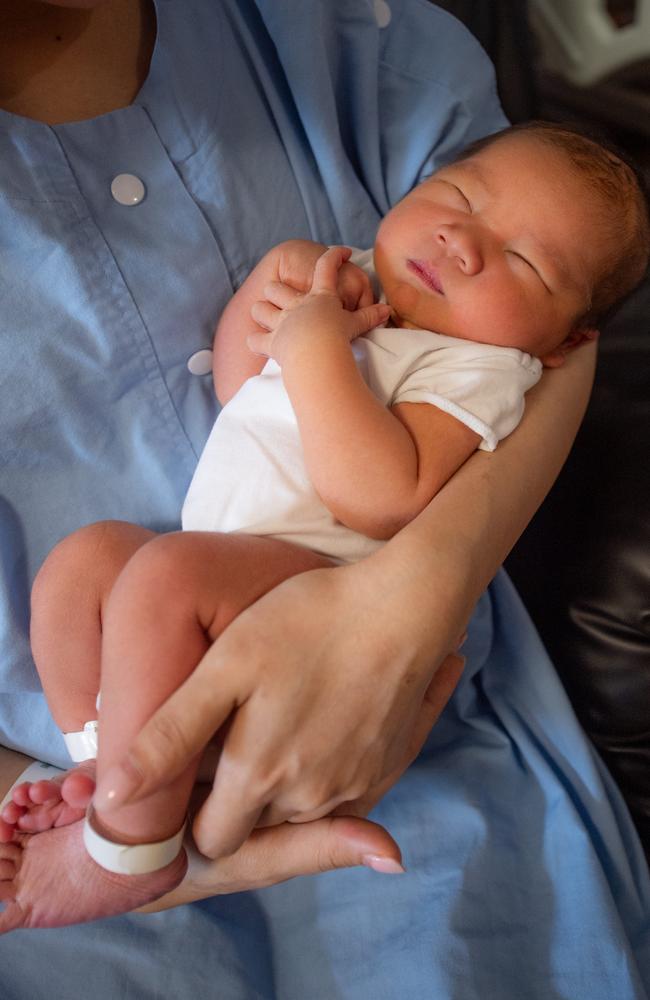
(20, 794)
(40, 818)
(78, 788)
(12, 813)
(44, 791)
(68, 814)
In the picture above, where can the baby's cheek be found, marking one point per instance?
(506, 321)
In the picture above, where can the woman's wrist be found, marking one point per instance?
(415, 612)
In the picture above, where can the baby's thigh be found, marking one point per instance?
(211, 576)
(86, 564)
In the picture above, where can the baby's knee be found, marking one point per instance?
(158, 573)
(81, 559)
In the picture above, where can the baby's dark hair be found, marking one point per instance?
(623, 191)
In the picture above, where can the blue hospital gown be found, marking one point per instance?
(259, 121)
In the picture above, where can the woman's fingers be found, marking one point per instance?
(287, 851)
(231, 809)
(436, 697)
(284, 852)
(241, 790)
(224, 823)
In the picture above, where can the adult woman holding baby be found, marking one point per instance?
(150, 156)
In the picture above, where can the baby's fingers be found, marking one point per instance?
(327, 269)
(259, 343)
(371, 316)
(266, 314)
(281, 295)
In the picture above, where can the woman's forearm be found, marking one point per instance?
(451, 551)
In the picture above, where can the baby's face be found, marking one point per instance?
(499, 248)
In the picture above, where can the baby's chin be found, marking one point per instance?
(409, 310)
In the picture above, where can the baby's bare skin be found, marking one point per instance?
(47, 879)
(40, 805)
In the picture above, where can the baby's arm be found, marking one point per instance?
(291, 263)
(374, 468)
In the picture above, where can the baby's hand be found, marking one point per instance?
(295, 321)
(353, 287)
(296, 269)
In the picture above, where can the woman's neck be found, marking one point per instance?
(60, 64)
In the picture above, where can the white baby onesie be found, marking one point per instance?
(252, 477)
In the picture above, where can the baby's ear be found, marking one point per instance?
(581, 335)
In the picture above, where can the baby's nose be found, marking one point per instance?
(461, 244)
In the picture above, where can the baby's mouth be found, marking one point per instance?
(427, 274)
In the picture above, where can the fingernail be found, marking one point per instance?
(116, 787)
(388, 866)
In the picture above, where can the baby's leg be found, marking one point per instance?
(173, 599)
(68, 601)
(175, 595)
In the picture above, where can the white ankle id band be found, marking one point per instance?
(37, 771)
(130, 859)
(83, 745)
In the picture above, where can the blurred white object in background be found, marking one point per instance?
(582, 41)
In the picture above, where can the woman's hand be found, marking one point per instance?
(278, 853)
(331, 703)
(283, 852)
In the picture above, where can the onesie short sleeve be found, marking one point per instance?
(481, 385)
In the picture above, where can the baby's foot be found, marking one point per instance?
(48, 880)
(40, 805)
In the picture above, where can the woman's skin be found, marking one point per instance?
(68, 61)
(397, 613)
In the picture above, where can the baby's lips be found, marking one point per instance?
(427, 273)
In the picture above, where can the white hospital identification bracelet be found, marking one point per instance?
(130, 859)
(82, 745)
